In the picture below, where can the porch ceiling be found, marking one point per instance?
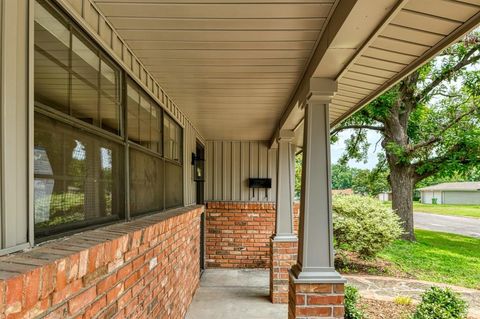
(230, 65)
(239, 68)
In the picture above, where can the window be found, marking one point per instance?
(84, 130)
(146, 183)
(144, 118)
(72, 75)
(174, 185)
(78, 178)
(172, 139)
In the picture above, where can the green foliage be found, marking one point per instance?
(403, 300)
(438, 303)
(363, 225)
(351, 300)
(342, 176)
(429, 122)
(372, 182)
(298, 175)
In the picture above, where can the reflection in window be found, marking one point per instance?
(72, 75)
(172, 139)
(85, 70)
(174, 186)
(78, 178)
(144, 118)
(146, 183)
(52, 51)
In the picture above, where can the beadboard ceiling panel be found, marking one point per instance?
(231, 65)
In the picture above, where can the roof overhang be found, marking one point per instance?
(239, 70)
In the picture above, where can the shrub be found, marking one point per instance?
(440, 303)
(363, 225)
(351, 299)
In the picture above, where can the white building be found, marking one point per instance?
(451, 193)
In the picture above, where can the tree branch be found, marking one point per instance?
(347, 127)
(440, 132)
(466, 60)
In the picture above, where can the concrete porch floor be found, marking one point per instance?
(235, 294)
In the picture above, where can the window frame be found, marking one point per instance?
(124, 78)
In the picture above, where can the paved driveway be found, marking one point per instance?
(448, 224)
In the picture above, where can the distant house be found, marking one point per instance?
(385, 196)
(451, 193)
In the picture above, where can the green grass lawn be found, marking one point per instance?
(455, 210)
(438, 257)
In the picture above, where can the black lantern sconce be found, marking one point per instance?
(199, 168)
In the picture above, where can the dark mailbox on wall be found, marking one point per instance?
(260, 183)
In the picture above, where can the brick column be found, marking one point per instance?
(283, 256)
(317, 300)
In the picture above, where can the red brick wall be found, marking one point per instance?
(309, 301)
(283, 257)
(238, 234)
(147, 268)
(296, 216)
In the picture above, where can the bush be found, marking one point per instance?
(363, 225)
(351, 299)
(440, 303)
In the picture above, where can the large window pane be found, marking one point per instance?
(172, 139)
(79, 178)
(144, 118)
(72, 75)
(173, 185)
(109, 97)
(146, 183)
(52, 51)
(85, 72)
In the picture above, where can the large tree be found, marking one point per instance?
(429, 123)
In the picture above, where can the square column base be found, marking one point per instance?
(315, 300)
(283, 256)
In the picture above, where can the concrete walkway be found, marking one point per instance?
(448, 224)
(386, 288)
(235, 294)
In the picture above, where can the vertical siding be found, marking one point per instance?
(231, 163)
(190, 138)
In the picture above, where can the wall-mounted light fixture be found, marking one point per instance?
(198, 168)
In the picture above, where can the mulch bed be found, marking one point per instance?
(376, 309)
(349, 263)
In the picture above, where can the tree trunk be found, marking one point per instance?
(401, 181)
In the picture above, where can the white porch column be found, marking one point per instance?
(315, 261)
(285, 167)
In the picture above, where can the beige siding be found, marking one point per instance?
(231, 163)
(190, 137)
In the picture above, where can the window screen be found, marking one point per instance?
(79, 178)
(146, 183)
(173, 185)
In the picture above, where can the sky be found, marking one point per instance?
(338, 149)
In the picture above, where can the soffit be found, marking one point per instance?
(417, 31)
(230, 66)
(411, 34)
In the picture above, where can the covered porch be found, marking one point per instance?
(235, 294)
(209, 102)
